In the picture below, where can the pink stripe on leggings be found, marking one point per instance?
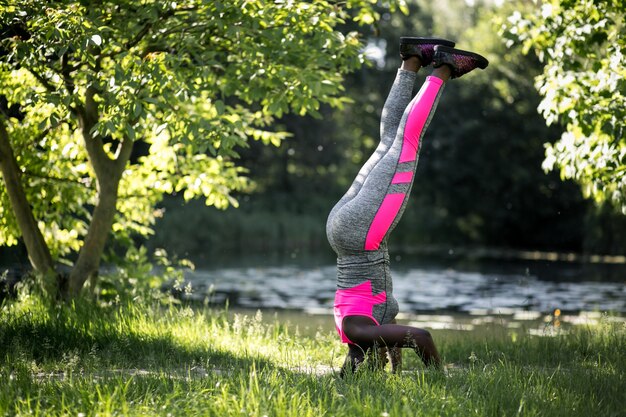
(418, 116)
(402, 177)
(383, 220)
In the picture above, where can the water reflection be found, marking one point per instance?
(311, 289)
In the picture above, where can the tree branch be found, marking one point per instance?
(125, 150)
(30, 174)
(50, 128)
(80, 182)
(50, 87)
(94, 145)
(139, 36)
(148, 26)
(38, 251)
(66, 74)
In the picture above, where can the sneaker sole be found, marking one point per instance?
(407, 40)
(481, 61)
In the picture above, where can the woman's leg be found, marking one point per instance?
(397, 100)
(367, 336)
(377, 357)
(362, 222)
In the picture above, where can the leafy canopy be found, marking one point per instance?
(582, 44)
(188, 81)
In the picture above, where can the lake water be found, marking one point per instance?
(425, 287)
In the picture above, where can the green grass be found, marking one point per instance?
(131, 360)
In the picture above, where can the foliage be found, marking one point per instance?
(582, 45)
(185, 85)
(142, 278)
(251, 233)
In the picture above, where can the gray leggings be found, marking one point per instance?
(359, 225)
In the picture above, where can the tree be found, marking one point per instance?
(583, 85)
(108, 106)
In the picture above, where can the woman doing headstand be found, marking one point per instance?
(360, 223)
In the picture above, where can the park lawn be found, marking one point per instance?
(135, 359)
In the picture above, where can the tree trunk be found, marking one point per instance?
(108, 173)
(38, 252)
(88, 262)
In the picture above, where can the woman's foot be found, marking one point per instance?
(374, 358)
(422, 48)
(460, 62)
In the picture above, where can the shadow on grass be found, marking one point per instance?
(62, 339)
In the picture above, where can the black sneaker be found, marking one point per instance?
(423, 48)
(460, 62)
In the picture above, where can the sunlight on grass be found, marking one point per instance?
(172, 360)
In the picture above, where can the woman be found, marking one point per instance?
(360, 223)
